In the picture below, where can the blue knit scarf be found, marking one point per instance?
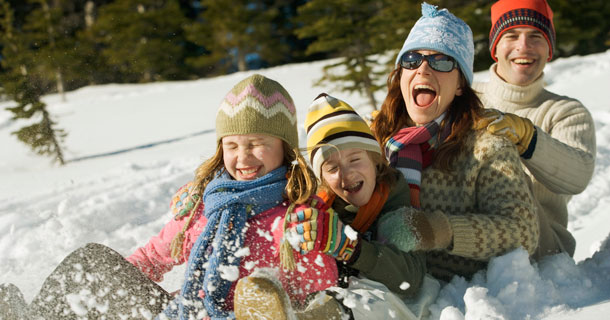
(228, 205)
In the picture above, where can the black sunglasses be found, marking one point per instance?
(439, 62)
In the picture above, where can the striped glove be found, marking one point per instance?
(315, 230)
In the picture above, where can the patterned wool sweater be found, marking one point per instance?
(487, 200)
(564, 158)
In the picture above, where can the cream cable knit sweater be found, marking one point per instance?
(564, 157)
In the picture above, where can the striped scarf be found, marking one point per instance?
(213, 264)
(411, 150)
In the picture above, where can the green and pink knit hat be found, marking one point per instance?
(258, 105)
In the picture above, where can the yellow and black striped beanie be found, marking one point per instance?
(258, 105)
(332, 125)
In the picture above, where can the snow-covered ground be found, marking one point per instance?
(131, 146)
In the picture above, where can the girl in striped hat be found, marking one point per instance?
(358, 187)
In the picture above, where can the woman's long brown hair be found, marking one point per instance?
(463, 112)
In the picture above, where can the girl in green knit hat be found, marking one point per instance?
(226, 224)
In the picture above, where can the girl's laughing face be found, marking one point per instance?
(351, 175)
(250, 156)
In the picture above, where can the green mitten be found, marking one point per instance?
(410, 229)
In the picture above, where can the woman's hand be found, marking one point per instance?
(320, 230)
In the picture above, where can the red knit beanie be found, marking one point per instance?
(509, 14)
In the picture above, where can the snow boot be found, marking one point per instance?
(12, 304)
(263, 298)
(96, 282)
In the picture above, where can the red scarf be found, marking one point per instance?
(368, 213)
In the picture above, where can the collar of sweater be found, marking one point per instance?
(519, 96)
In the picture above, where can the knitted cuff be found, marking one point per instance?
(355, 253)
(346, 253)
(532, 146)
(465, 238)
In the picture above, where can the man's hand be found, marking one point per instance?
(518, 130)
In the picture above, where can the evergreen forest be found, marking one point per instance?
(53, 46)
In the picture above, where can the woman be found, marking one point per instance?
(469, 195)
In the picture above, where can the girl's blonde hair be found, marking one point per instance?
(302, 182)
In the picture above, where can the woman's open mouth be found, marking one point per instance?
(423, 95)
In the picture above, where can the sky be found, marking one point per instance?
(131, 146)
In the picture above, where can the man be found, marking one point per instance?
(554, 134)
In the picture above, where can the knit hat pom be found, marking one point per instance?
(428, 10)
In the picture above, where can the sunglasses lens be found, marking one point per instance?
(441, 62)
(438, 62)
(411, 60)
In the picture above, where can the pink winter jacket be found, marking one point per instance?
(314, 272)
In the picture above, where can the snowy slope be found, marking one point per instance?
(131, 146)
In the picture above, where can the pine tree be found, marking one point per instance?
(26, 88)
(50, 28)
(354, 30)
(232, 32)
(47, 41)
(285, 26)
(142, 40)
(582, 26)
(395, 20)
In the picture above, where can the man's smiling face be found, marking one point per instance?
(522, 54)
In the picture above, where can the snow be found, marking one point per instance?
(130, 147)
(229, 273)
(351, 233)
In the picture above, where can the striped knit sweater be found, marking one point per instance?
(490, 208)
(564, 158)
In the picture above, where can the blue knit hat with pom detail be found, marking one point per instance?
(441, 31)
